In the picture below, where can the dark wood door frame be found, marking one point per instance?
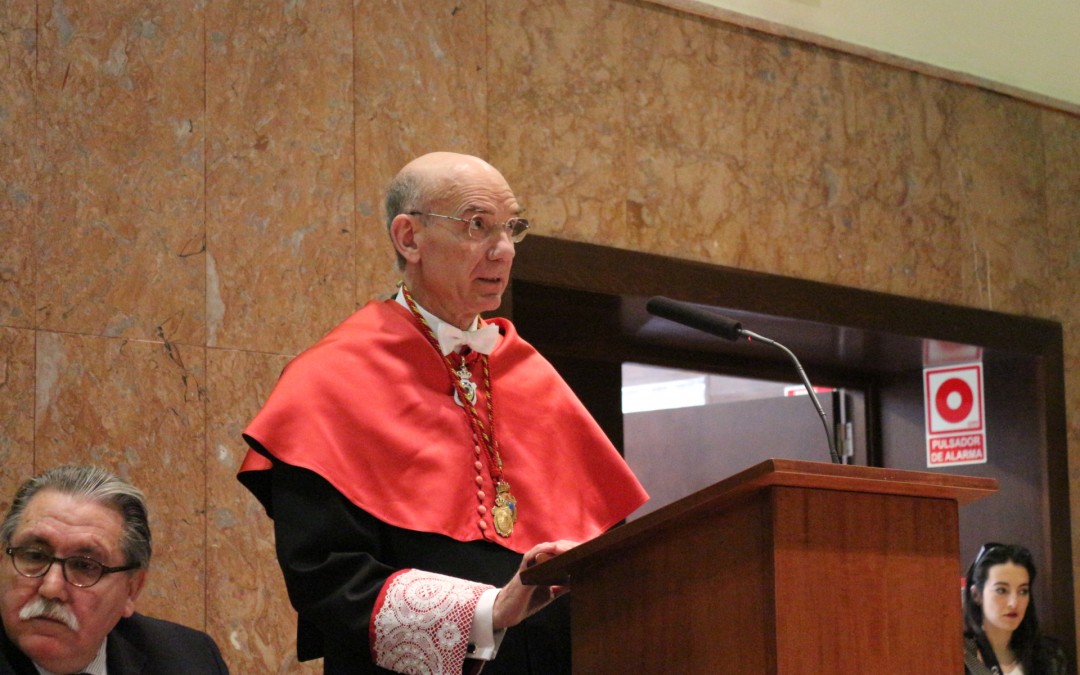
(583, 306)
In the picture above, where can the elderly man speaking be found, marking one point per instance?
(418, 457)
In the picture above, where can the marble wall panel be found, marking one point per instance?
(1061, 135)
(120, 248)
(20, 148)
(136, 408)
(896, 211)
(417, 91)
(1003, 200)
(689, 192)
(795, 100)
(738, 141)
(279, 175)
(16, 411)
(557, 126)
(248, 611)
(1061, 145)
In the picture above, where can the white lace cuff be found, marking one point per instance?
(421, 622)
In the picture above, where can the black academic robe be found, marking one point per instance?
(335, 558)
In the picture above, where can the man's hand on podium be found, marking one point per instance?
(516, 601)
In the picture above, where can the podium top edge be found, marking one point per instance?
(963, 489)
(772, 473)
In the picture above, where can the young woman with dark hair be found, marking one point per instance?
(1001, 627)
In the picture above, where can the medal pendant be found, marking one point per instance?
(465, 378)
(504, 513)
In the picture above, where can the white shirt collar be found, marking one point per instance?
(432, 320)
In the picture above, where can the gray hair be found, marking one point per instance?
(98, 485)
(405, 194)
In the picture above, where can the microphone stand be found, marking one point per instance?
(715, 324)
(750, 337)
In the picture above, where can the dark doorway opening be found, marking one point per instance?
(583, 307)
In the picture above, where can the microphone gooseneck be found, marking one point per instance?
(729, 329)
(833, 454)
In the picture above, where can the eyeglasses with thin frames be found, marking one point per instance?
(79, 571)
(480, 227)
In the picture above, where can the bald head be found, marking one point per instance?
(436, 170)
(432, 178)
(450, 271)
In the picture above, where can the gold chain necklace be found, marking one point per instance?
(505, 512)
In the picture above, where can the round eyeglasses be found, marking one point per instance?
(78, 570)
(482, 228)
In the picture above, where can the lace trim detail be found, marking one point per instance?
(422, 623)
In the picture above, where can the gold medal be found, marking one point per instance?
(467, 385)
(504, 513)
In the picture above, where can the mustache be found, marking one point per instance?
(49, 609)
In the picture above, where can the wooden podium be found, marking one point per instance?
(787, 567)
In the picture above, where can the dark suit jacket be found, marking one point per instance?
(140, 645)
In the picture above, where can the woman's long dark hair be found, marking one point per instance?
(1025, 639)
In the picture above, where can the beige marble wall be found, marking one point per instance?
(190, 194)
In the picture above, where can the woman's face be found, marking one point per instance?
(1005, 597)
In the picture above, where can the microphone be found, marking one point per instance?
(729, 329)
(694, 317)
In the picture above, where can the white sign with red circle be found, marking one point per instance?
(955, 428)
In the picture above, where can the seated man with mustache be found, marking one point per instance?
(78, 540)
